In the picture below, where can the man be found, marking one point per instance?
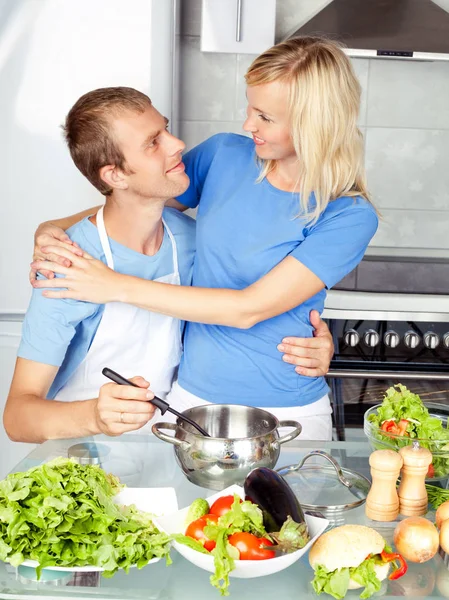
(120, 142)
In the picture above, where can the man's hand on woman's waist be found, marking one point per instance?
(311, 356)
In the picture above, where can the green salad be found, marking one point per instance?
(63, 514)
(402, 417)
(233, 529)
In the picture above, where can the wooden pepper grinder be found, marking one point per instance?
(382, 502)
(412, 490)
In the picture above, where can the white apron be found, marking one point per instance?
(315, 418)
(131, 341)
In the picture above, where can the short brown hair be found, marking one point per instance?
(87, 130)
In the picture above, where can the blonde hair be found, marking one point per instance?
(324, 102)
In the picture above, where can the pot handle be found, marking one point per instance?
(168, 438)
(297, 428)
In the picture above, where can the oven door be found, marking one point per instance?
(355, 390)
(359, 376)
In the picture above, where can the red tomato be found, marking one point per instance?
(430, 472)
(222, 505)
(249, 546)
(396, 428)
(210, 545)
(195, 529)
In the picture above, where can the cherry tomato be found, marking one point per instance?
(195, 529)
(249, 546)
(222, 505)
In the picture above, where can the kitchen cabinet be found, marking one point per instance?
(239, 26)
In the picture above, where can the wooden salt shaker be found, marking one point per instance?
(412, 490)
(382, 502)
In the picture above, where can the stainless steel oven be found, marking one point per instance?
(381, 340)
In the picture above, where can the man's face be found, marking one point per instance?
(152, 154)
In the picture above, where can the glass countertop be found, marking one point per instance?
(144, 461)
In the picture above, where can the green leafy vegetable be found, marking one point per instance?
(336, 582)
(190, 542)
(292, 536)
(436, 495)
(400, 403)
(63, 514)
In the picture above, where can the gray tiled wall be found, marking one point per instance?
(404, 117)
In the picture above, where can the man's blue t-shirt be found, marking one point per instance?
(59, 332)
(244, 229)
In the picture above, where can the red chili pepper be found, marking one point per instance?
(393, 557)
(430, 472)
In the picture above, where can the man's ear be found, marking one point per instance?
(114, 177)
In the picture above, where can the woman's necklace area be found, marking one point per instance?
(282, 183)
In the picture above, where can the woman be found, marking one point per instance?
(281, 217)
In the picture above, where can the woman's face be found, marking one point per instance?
(268, 121)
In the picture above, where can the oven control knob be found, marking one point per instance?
(371, 338)
(391, 339)
(431, 340)
(411, 339)
(446, 339)
(351, 338)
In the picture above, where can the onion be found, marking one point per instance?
(416, 539)
(444, 535)
(442, 513)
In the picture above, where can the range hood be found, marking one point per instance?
(410, 29)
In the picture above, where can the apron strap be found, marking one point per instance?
(104, 240)
(174, 248)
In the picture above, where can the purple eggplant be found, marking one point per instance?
(275, 498)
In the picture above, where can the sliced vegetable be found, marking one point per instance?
(250, 546)
(393, 557)
(396, 428)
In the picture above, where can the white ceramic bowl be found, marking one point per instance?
(175, 523)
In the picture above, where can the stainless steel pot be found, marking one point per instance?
(242, 438)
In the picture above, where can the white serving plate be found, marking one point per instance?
(175, 523)
(157, 501)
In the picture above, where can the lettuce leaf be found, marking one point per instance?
(336, 582)
(63, 514)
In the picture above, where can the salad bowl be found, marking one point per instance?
(403, 418)
(244, 569)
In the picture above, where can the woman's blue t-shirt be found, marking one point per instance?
(244, 229)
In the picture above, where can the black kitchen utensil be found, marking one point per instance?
(158, 402)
